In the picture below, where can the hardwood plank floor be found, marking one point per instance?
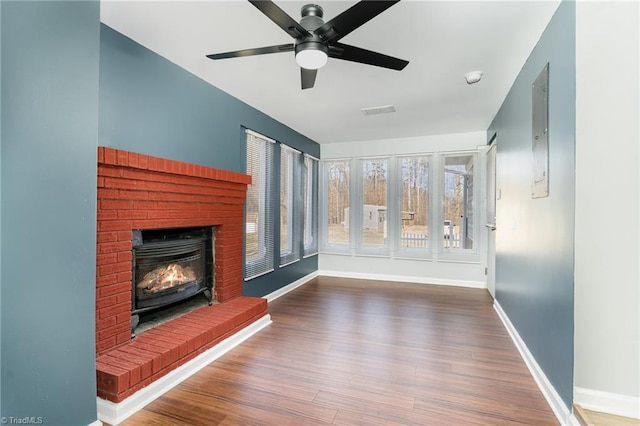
(354, 352)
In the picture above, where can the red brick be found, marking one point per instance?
(109, 156)
(125, 276)
(145, 205)
(112, 311)
(111, 204)
(112, 379)
(124, 336)
(115, 247)
(114, 268)
(123, 256)
(105, 344)
(105, 302)
(106, 323)
(107, 193)
(105, 259)
(109, 171)
(133, 159)
(106, 237)
(126, 194)
(114, 225)
(124, 298)
(124, 235)
(143, 161)
(122, 158)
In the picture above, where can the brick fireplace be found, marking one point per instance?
(141, 192)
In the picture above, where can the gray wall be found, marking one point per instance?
(534, 240)
(152, 106)
(49, 94)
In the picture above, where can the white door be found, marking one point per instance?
(491, 219)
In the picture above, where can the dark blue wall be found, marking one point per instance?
(49, 92)
(152, 106)
(534, 240)
(0, 205)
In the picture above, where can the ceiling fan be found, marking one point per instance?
(316, 40)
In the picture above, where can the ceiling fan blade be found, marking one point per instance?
(356, 54)
(280, 17)
(308, 78)
(352, 18)
(251, 52)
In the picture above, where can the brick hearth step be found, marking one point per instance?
(128, 368)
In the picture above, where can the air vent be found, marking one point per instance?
(379, 110)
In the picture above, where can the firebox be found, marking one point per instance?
(170, 266)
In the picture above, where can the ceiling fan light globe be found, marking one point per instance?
(311, 59)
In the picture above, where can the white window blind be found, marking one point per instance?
(309, 214)
(259, 241)
(289, 209)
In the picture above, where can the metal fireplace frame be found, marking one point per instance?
(170, 245)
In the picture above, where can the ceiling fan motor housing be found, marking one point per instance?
(311, 16)
(311, 19)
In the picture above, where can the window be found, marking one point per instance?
(289, 216)
(458, 202)
(414, 202)
(337, 196)
(259, 239)
(374, 203)
(414, 206)
(309, 216)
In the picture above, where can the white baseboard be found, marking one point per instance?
(96, 423)
(286, 289)
(562, 413)
(115, 413)
(606, 402)
(403, 279)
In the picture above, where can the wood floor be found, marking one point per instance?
(353, 352)
(595, 418)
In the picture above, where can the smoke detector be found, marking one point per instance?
(473, 77)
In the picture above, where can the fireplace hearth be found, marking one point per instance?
(169, 267)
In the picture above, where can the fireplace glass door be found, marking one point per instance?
(168, 271)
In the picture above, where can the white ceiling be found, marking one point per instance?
(442, 40)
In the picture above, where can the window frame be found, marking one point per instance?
(323, 227)
(452, 253)
(435, 250)
(310, 167)
(357, 200)
(414, 252)
(294, 184)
